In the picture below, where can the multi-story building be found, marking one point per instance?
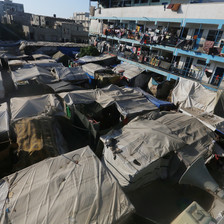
(82, 18)
(9, 6)
(168, 37)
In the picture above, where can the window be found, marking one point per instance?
(155, 0)
(214, 35)
(202, 62)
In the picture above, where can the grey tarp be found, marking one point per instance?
(212, 121)
(69, 74)
(72, 188)
(31, 73)
(17, 63)
(40, 56)
(92, 68)
(145, 140)
(189, 93)
(129, 71)
(46, 63)
(143, 143)
(2, 89)
(127, 100)
(88, 59)
(4, 118)
(22, 107)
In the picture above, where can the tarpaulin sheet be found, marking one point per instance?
(40, 56)
(71, 188)
(145, 140)
(142, 144)
(4, 118)
(91, 68)
(70, 51)
(128, 101)
(22, 107)
(31, 73)
(69, 74)
(154, 100)
(2, 89)
(129, 71)
(210, 120)
(38, 138)
(88, 59)
(189, 93)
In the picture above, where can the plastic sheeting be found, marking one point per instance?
(142, 144)
(4, 118)
(212, 121)
(31, 73)
(72, 188)
(2, 89)
(88, 59)
(130, 71)
(128, 101)
(189, 93)
(69, 74)
(91, 68)
(145, 140)
(33, 106)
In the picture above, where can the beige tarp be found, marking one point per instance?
(71, 188)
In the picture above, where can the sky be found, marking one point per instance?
(62, 8)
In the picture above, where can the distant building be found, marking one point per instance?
(82, 18)
(9, 6)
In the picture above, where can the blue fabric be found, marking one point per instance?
(69, 51)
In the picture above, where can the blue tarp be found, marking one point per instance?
(2, 44)
(69, 51)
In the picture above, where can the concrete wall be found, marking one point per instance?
(195, 11)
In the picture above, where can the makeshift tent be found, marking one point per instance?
(32, 106)
(40, 56)
(69, 51)
(70, 74)
(38, 138)
(128, 101)
(47, 63)
(31, 73)
(129, 71)
(2, 89)
(72, 188)
(4, 118)
(104, 59)
(159, 103)
(210, 120)
(92, 68)
(135, 153)
(189, 93)
(62, 86)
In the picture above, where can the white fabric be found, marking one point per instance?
(4, 118)
(71, 188)
(127, 100)
(30, 73)
(91, 68)
(69, 74)
(189, 93)
(17, 63)
(22, 107)
(130, 71)
(2, 89)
